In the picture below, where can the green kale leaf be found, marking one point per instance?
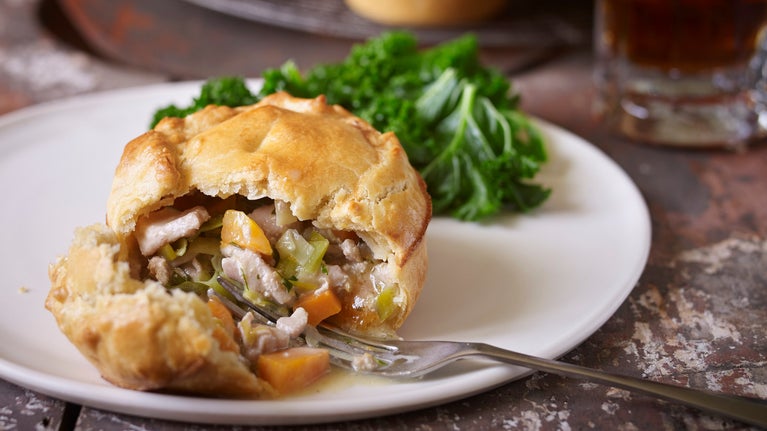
(226, 91)
(458, 121)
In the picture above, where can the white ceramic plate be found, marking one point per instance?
(538, 283)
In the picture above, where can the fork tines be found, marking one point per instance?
(346, 350)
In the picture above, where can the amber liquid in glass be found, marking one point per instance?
(689, 35)
(683, 72)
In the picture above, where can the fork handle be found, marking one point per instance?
(749, 410)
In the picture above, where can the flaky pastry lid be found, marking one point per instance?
(329, 165)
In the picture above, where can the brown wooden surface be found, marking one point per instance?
(696, 317)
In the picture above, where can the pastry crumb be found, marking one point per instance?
(23, 289)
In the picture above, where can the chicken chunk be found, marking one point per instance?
(168, 225)
(249, 268)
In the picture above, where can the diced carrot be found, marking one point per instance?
(292, 369)
(222, 313)
(243, 231)
(225, 340)
(224, 331)
(319, 305)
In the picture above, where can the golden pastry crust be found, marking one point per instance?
(328, 165)
(136, 333)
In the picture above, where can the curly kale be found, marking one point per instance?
(458, 121)
(227, 91)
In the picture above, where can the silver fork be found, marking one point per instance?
(410, 359)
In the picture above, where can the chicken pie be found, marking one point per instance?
(305, 205)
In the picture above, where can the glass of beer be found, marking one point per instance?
(686, 73)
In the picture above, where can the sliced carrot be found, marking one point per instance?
(243, 231)
(224, 331)
(292, 369)
(319, 305)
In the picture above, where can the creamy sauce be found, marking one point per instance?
(338, 380)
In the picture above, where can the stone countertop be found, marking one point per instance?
(695, 318)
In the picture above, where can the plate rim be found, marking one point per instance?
(35, 379)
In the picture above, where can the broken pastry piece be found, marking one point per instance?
(308, 207)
